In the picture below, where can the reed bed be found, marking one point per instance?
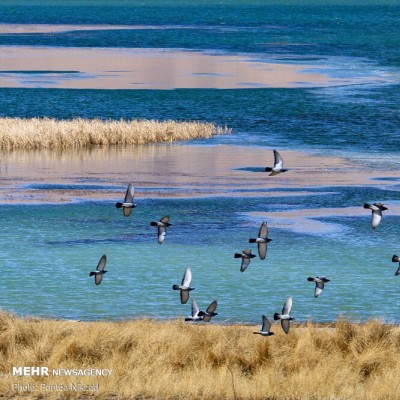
(47, 133)
(177, 360)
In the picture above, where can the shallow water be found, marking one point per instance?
(48, 253)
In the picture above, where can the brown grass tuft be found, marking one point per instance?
(175, 360)
(46, 133)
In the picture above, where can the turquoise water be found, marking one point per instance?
(47, 256)
(50, 276)
(47, 251)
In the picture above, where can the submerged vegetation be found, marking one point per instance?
(176, 360)
(47, 133)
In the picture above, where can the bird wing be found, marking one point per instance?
(263, 232)
(398, 271)
(245, 264)
(266, 324)
(212, 307)
(130, 194)
(285, 325)
(98, 278)
(127, 211)
(247, 252)
(381, 206)
(102, 263)
(262, 250)
(184, 296)
(207, 318)
(187, 277)
(195, 309)
(278, 161)
(287, 306)
(164, 219)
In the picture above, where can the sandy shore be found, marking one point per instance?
(111, 68)
(171, 170)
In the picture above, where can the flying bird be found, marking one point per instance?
(128, 204)
(376, 209)
(396, 259)
(246, 256)
(210, 312)
(262, 240)
(319, 284)
(285, 317)
(278, 165)
(162, 228)
(100, 271)
(195, 313)
(266, 327)
(184, 287)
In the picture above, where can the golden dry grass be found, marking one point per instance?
(176, 360)
(46, 133)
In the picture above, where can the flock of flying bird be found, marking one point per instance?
(246, 255)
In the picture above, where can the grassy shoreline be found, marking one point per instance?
(177, 360)
(48, 133)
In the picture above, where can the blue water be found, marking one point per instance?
(46, 272)
(47, 251)
(337, 119)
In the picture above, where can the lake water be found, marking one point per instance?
(47, 250)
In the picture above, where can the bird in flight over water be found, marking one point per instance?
(319, 284)
(396, 259)
(128, 205)
(184, 287)
(100, 271)
(262, 240)
(246, 256)
(376, 209)
(278, 165)
(162, 225)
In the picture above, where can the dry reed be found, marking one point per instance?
(176, 360)
(46, 133)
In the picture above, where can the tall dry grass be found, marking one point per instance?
(46, 133)
(177, 360)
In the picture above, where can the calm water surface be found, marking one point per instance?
(48, 251)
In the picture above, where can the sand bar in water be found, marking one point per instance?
(111, 68)
(307, 220)
(172, 170)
